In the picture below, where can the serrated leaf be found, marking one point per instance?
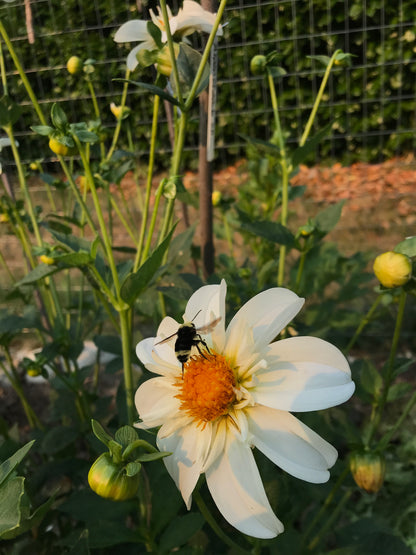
(303, 152)
(41, 271)
(133, 468)
(136, 283)
(126, 435)
(59, 119)
(153, 89)
(7, 467)
(407, 247)
(100, 433)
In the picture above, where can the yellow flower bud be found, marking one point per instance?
(47, 259)
(34, 166)
(33, 371)
(368, 470)
(109, 479)
(258, 65)
(216, 198)
(74, 65)
(4, 218)
(57, 147)
(392, 269)
(163, 60)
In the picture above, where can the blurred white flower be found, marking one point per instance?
(190, 18)
(237, 396)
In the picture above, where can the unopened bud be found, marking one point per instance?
(258, 65)
(368, 470)
(216, 198)
(47, 259)
(392, 269)
(164, 61)
(74, 65)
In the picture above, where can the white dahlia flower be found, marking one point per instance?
(190, 18)
(238, 394)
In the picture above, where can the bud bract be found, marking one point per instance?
(392, 269)
(368, 470)
(164, 61)
(110, 480)
(74, 65)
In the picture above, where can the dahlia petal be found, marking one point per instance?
(268, 313)
(235, 485)
(132, 31)
(290, 444)
(184, 465)
(131, 61)
(204, 306)
(159, 359)
(194, 18)
(293, 382)
(155, 402)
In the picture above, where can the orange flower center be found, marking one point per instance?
(208, 387)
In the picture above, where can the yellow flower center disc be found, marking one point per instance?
(208, 387)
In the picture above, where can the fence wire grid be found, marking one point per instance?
(371, 102)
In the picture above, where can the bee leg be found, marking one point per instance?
(183, 368)
(205, 345)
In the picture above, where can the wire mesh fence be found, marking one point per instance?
(371, 101)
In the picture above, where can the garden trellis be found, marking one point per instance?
(371, 102)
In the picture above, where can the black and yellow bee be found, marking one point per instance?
(188, 336)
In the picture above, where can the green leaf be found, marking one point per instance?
(7, 467)
(180, 247)
(398, 390)
(407, 247)
(109, 344)
(303, 152)
(136, 283)
(276, 71)
(44, 130)
(155, 33)
(11, 493)
(75, 243)
(262, 145)
(328, 218)
(9, 111)
(126, 435)
(87, 136)
(187, 63)
(59, 119)
(100, 433)
(180, 530)
(322, 59)
(371, 379)
(147, 58)
(153, 89)
(58, 438)
(41, 271)
(149, 457)
(272, 231)
(115, 449)
(74, 259)
(30, 522)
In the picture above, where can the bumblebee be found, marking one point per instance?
(188, 336)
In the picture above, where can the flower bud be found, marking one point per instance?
(57, 147)
(368, 470)
(47, 259)
(392, 269)
(119, 111)
(164, 61)
(74, 65)
(216, 198)
(33, 371)
(109, 479)
(258, 65)
(34, 166)
(4, 218)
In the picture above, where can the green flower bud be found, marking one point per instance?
(164, 61)
(258, 65)
(392, 269)
(109, 479)
(368, 470)
(74, 65)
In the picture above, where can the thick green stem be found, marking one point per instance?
(175, 72)
(125, 329)
(300, 271)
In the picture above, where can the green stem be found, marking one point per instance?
(330, 520)
(205, 56)
(228, 237)
(385, 440)
(318, 99)
(300, 271)
(152, 225)
(390, 368)
(3, 71)
(211, 520)
(125, 330)
(363, 323)
(169, 37)
(22, 74)
(96, 110)
(145, 213)
(120, 119)
(285, 176)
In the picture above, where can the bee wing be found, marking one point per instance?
(209, 327)
(167, 338)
